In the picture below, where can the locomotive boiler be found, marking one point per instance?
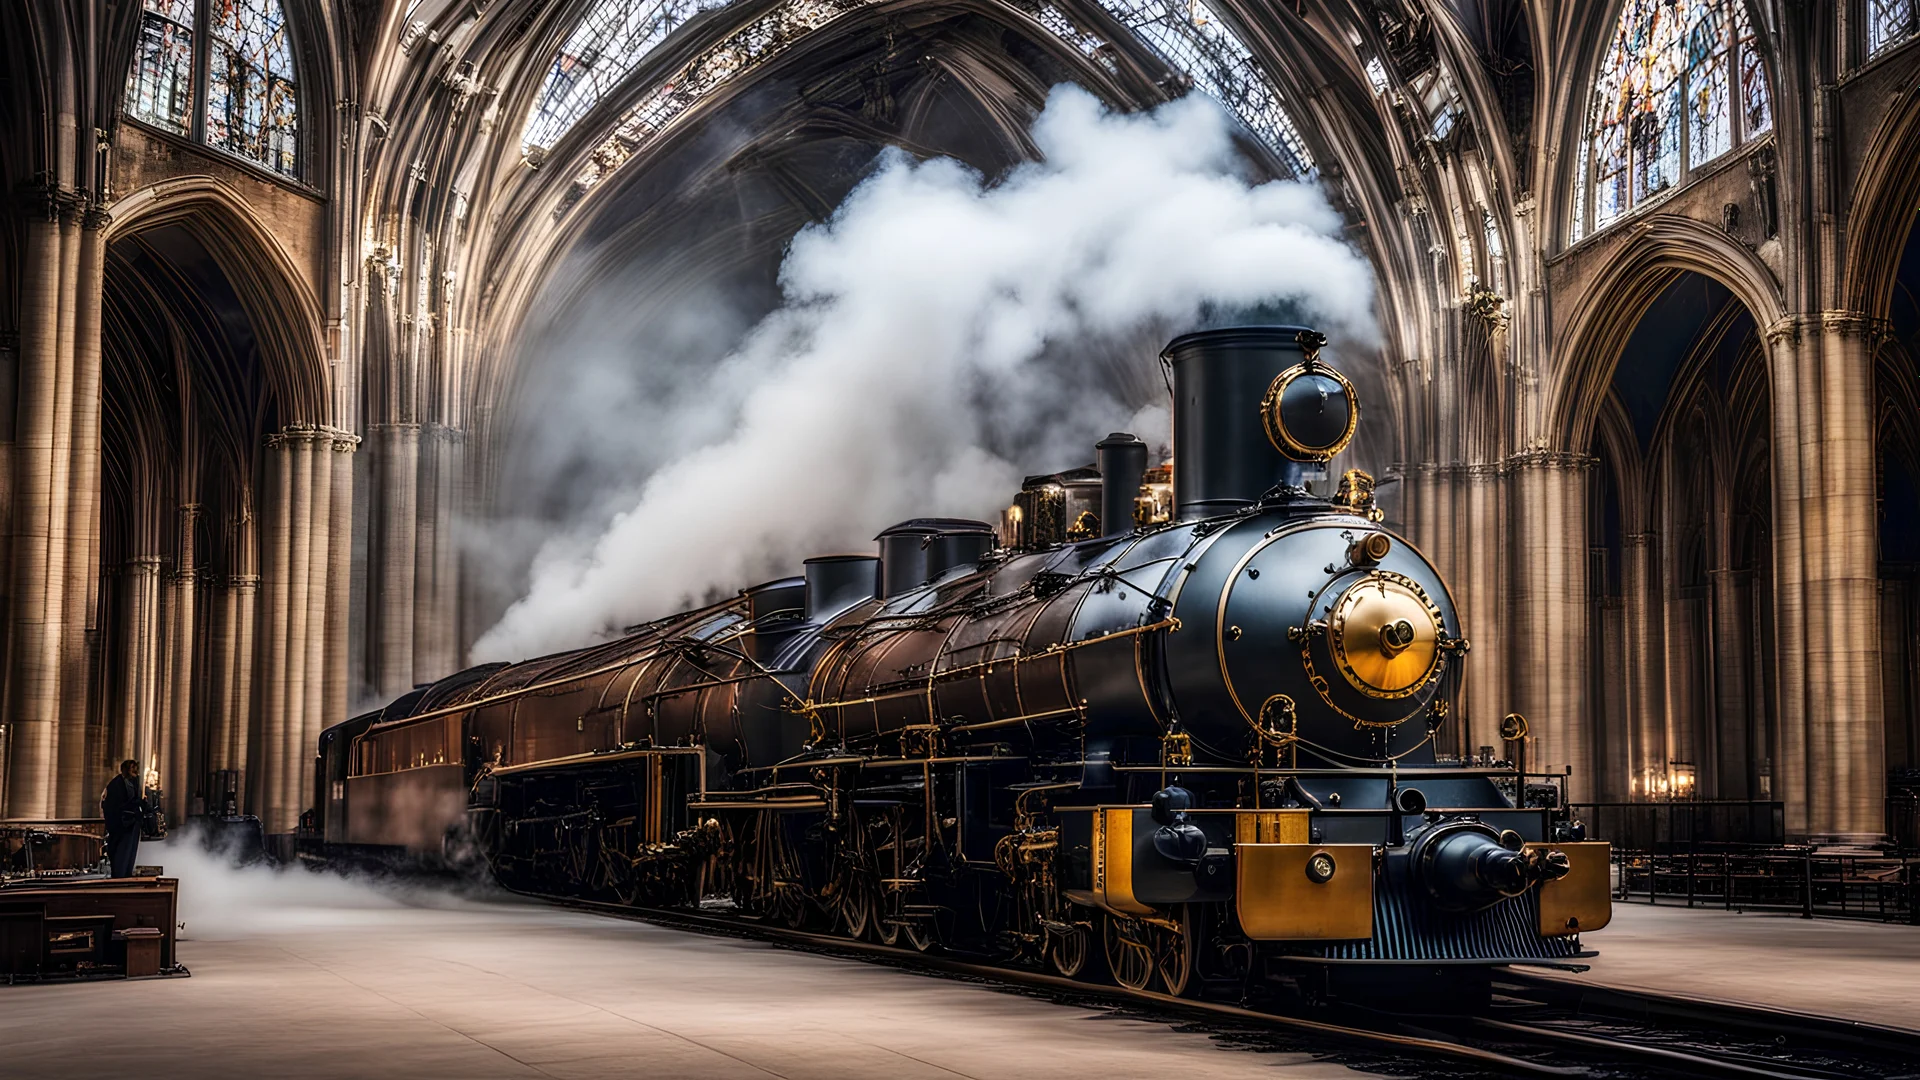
(1173, 737)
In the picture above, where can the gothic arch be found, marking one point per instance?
(1660, 248)
(284, 311)
(1883, 212)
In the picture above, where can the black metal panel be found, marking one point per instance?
(1406, 927)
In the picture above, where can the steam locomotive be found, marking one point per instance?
(1174, 735)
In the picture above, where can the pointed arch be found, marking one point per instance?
(285, 312)
(1601, 321)
(1886, 208)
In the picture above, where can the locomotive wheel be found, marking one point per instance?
(856, 905)
(1128, 958)
(1068, 952)
(1173, 955)
(918, 934)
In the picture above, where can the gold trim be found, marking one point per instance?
(1382, 629)
(1284, 440)
(1277, 901)
(1582, 900)
(1117, 842)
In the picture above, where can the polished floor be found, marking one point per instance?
(318, 978)
(303, 976)
(1856, 970)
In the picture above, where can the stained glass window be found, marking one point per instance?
(252, 100)
(608, 44)
(1890, 22)
(250, 89)
(160, 90)
(1682, 83)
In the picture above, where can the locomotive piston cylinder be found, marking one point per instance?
(1466, 866)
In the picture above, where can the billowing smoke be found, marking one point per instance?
(222, 901)
(940, 336)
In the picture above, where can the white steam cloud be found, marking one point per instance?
(921, 336)
(221, 901)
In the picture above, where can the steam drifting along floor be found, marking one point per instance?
(360, 985)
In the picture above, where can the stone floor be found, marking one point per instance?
(318, 978)
(303, 976)
(1856, 970)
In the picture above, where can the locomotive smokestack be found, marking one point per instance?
(837, 582)
(915, 552)
(1123, 464)
(1239, 427)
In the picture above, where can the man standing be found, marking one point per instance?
(123, 805)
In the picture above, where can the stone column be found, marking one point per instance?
(1478, 594)
(1547, 646)
(33, 689)
(1734, 767)
(318, 523)
(394, 549)
(339, 580)
(435, 609)
(1842, 585)
(1646, 679)
(1788, 386)
(71, 759)
(300, 583)
(1830, 765)
(246, 594)
(81, 777)
(139, 633)
(176, 754)
(266, 755)
(220, 711)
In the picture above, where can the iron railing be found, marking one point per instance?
(1800, 880)
(1646, 827)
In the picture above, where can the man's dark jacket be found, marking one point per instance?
(120, 805)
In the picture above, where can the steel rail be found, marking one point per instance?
(1659, 1057)
(1622, 1003)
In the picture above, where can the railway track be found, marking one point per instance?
(1538, 1026)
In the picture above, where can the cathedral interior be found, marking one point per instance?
(326, 326)
(276, 275)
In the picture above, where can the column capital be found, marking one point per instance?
(1871, 328)
(1548, 459)
(243, 582)
(95, 218)
(141, 564)
(311, 433)
(1788, 328)
(1637, 540)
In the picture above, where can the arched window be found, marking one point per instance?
(1890, 22)
(1192, 39)
(609, 43)
(244, 58)
(616, 35)
(1682, 82)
